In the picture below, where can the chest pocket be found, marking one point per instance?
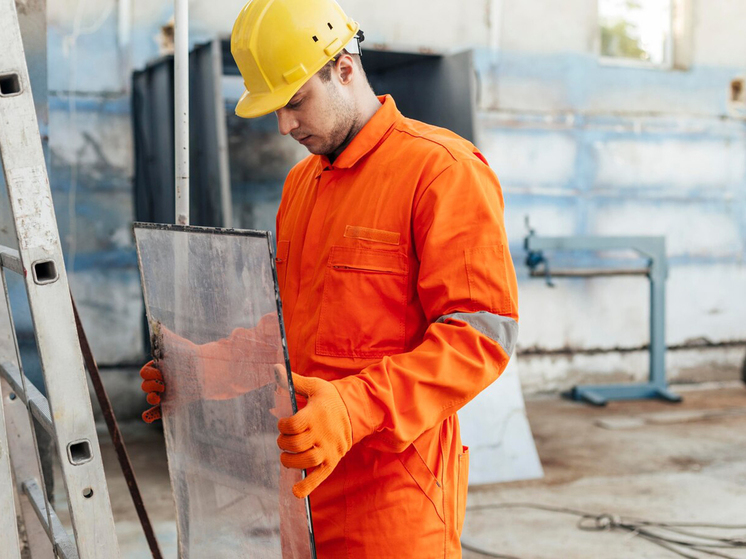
(363, 308)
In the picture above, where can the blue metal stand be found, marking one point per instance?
(653, 248)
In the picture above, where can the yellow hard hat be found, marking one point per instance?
(279, 45)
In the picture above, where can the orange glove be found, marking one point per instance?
(318, 436)
(153, 383)
(154, 386)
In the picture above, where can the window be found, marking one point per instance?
(639, 32)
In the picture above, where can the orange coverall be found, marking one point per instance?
(397, 284)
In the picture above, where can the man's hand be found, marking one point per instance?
(154, 386)
(318, 436)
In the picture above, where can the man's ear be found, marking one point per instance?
(345, 69)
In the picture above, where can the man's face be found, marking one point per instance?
(320, 116)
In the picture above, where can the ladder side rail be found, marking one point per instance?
(11, 548)
(49, 300)
(25, 467)
(24, 455)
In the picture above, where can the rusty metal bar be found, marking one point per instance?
(116, 436)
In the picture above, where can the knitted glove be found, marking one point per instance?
(318, 436)
(154, 386)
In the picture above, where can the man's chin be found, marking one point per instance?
(315, 150)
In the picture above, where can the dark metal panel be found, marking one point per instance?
(153, 123)
(438, 90)
(207, 138)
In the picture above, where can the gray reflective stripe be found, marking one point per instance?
(502, 329)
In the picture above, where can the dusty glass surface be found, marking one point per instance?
(212, 307)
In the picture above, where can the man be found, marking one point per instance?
(398, 290)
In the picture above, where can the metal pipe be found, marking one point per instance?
(591, 273)
(181, 109)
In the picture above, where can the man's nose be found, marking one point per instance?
(286, 122)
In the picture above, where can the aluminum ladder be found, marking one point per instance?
(67, 415)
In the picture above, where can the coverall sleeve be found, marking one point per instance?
(467, 287)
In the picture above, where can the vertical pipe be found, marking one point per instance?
(124, 40)
(181, 109)
(658, 273)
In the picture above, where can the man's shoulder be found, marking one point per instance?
(419, 139)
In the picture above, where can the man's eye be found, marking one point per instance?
(295, 105)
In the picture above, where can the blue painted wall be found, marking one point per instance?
(580, 147)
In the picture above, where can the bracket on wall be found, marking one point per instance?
(652, 248)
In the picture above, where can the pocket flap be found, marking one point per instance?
(368, 259)
(376, 235)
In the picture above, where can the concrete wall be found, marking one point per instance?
(580, 147)
(590, 149)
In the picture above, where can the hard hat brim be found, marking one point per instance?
(253, 106)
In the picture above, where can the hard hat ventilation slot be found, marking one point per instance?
(330, 25)
(315, 39)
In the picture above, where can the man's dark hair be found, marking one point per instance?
(326, 72)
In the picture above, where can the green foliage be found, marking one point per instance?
(619, 40)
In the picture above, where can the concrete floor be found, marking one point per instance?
(686, 463)
(651, 460)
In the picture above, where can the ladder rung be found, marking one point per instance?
(33, 399)
(10, 259)
(63, 546)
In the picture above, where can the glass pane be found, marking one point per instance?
(636, 30)
(212, 309)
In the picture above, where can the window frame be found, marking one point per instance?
(670, 61)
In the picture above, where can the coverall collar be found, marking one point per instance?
(368, 138)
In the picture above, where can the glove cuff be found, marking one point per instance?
(356, 399)
(343, 409)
